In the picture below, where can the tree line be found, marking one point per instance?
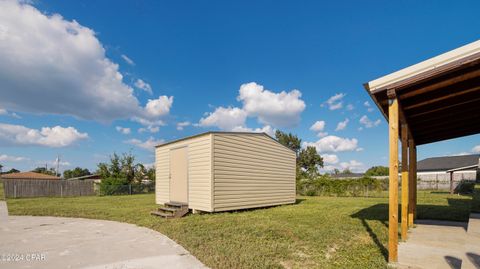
(309, 160)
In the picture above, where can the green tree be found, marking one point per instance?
(347, 171)
(76, 172)
(151, 174)
(289, 140)
(122, 168)
(309, 161)
(13, 170)
(1, 167)
(44, 170)
(377, 171)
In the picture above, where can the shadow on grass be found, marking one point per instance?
(456, 210)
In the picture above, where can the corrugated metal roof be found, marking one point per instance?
(447, 162)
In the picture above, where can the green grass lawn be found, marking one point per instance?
(317, 232)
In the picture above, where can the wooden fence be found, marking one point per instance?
(18, 188)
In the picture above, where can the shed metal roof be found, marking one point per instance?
(221, 132)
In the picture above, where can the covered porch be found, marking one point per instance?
(434, 100)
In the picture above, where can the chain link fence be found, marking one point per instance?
(116, 189)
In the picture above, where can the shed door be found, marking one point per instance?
(179, 175)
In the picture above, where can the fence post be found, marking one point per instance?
(130, 188)
(14, 189)
(61, 189)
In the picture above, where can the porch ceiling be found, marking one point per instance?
(440, 97)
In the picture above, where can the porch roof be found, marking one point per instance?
(439, 98)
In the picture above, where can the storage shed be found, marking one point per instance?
(219, 171)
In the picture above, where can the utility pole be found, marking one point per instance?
(58, 164)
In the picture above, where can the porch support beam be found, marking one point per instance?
(412, 181)
(405, 181)
(413, 161)
(393, 178)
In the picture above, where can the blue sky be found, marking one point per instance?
(86, 79)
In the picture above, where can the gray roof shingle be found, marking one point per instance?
(447, 162)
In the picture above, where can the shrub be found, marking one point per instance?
(111, 186)
(324, 185)
(465, 187)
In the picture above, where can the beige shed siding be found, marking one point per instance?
(251, 170)
(199, 172)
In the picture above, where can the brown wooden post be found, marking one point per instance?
(393, 178)
(412, 181)
(451, 182)
(405, 179)
(413, 161)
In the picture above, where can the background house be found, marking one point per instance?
(436, 172)
(29, 175)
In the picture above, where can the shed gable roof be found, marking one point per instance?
(220, 132)
(447, 162)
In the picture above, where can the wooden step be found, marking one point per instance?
(175, 204)
(170, 209)
(162, 214)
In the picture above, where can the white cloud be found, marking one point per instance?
(350, 107)
(183, 124)
(342, 125)
(142, 85)
(47, 136)
(151, 129)
(225, 118)
(4, 112)
(123, 130)
(368, 106)
(353, 165)
(49, 65)
(127, 59)
(159, 107)
(330, 158)
(476, 149)
(265, 129)
(148, 144)
(278, 109)
(322, 134)
(365, 121)
(7, 158)
(318, 126)
(333, 143)
(335, 102)
(147, 122)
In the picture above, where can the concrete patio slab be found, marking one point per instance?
(440, 244)
(51, 242)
